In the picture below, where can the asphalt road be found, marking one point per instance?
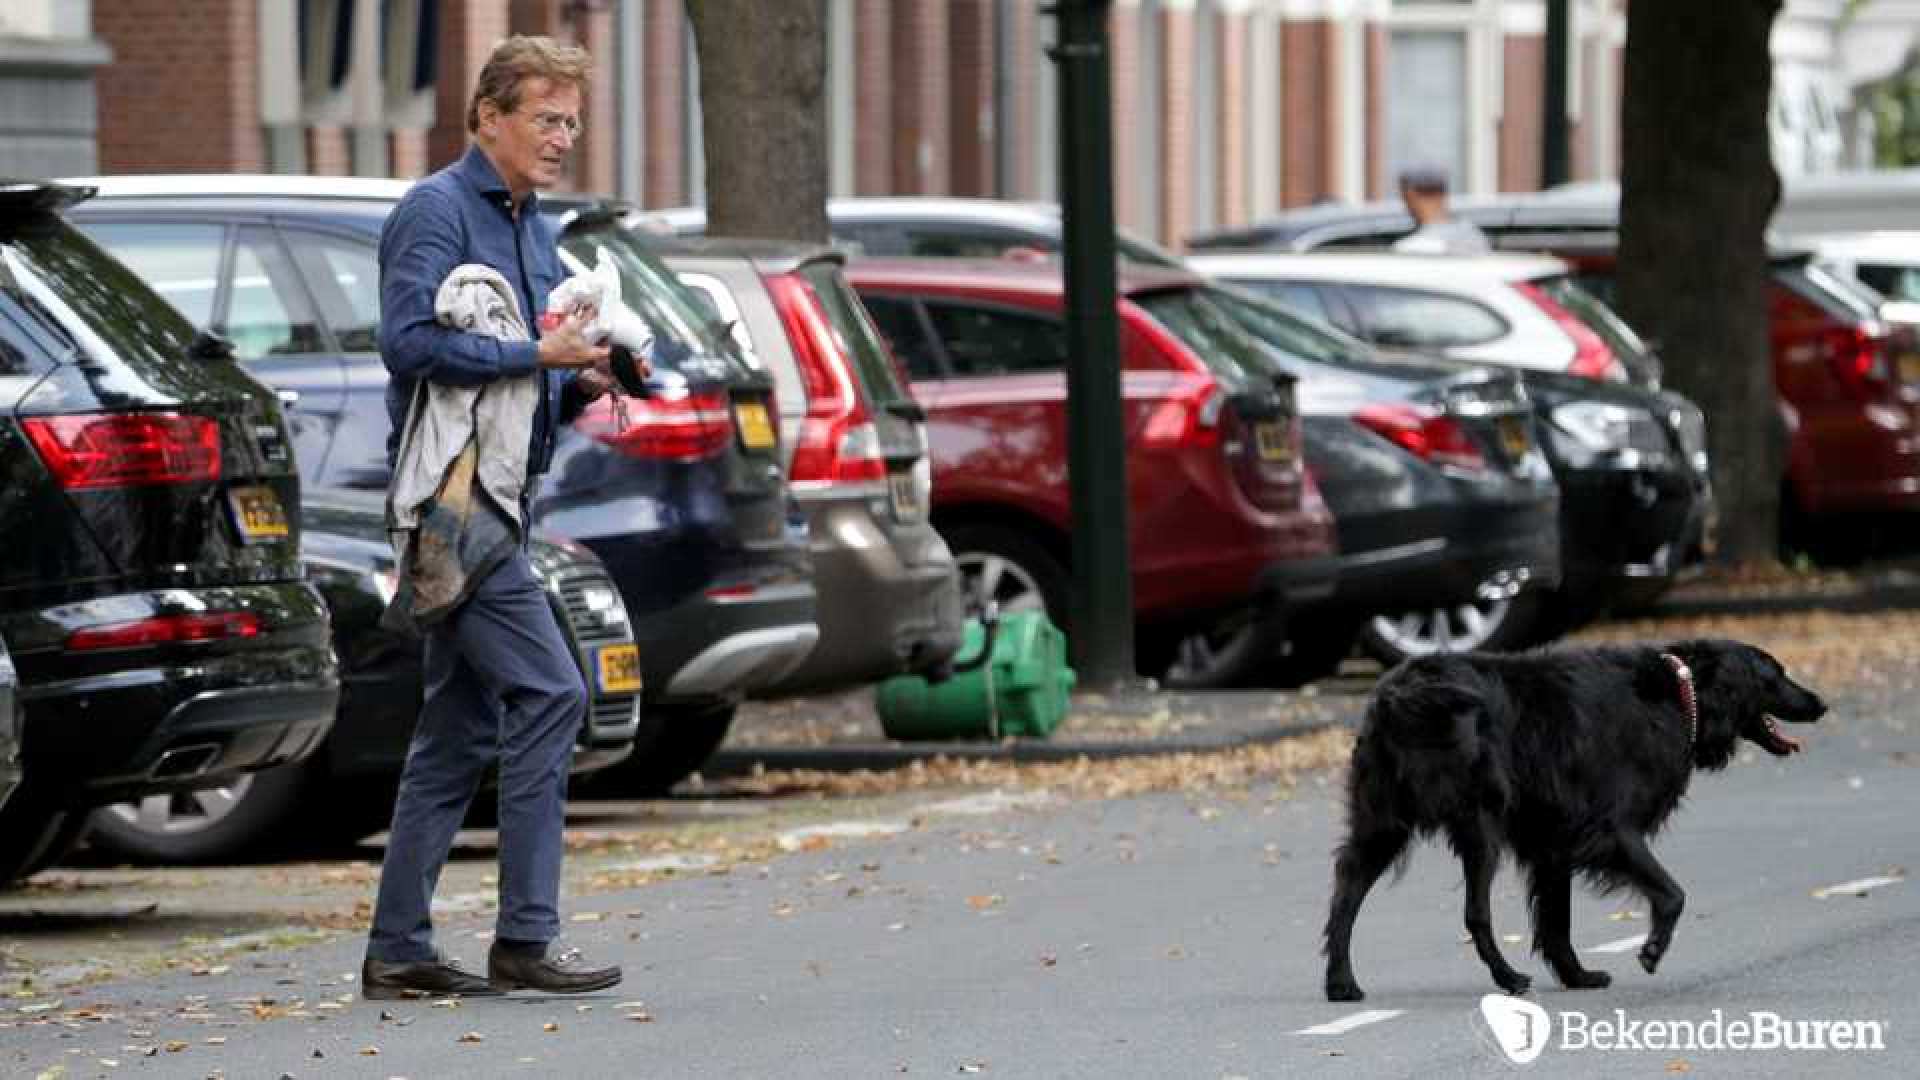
(1167, 935)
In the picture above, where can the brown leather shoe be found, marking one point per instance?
(382, 980)
(561, 970)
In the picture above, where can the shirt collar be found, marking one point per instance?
(480, 175)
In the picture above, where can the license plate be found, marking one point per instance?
(906, 496)
(1270, 439)
(756, 431)
(619, 669)
(258, 513)
(1909, 366)
(1514, 438)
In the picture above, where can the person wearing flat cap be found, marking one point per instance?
(1436, 231)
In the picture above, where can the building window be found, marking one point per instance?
(1427, 93)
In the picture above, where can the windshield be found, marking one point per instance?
(652, 291)
(1214, 336)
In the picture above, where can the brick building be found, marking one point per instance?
(1223, 109)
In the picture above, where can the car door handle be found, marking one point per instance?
(289, 398)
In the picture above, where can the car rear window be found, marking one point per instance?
(75, 295)
(1227, 350)
(1834, 295)
(654, 293)
(1281, 329)
(1596, 316)
(863, 342)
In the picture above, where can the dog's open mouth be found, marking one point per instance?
(1774, 741)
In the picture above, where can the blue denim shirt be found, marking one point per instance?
(463, 214)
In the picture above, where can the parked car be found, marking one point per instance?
(152, 596)
(1512, 310)
(1885, 260)
(1849, 383)
(1227, 532)
(931, 226)
(9, 725)
(682, 497)
(854, 443)
(345, 789)
(1445, 506)
(1635, 495)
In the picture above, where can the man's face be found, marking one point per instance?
(529, 145)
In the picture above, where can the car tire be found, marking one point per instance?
(1313, 651)
(1237, 650)
(673, 744)
(217, 824)
(1006, 566)
(1481, 626)
(34, 835)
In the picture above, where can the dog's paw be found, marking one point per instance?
(1582, 979)
(1344, 990)
(1514, 983)
(1650, 956)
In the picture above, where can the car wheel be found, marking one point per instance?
(674, 743)
(1480, 626)
(1312, 652)
(1002, 566)
(204, 825)
(34, 835)
(1236, 650)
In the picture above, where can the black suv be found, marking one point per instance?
(681, 493)
(152, 594)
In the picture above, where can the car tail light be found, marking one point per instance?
(1426, 433)
(1591, 355)
(111, 450)
(1187, 417)
(838, 443)
(166, 630)
(1858, 357)
(670, 425)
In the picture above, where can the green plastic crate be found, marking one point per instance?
(1021, 690)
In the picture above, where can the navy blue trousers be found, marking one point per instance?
(501, 684)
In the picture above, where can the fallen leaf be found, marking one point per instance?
(984, 901)
(369, 1051)
(174, 1046)
(549, 1026)
(473, 1037)
(588, 916)
(1679, 1065)
(216, 1040)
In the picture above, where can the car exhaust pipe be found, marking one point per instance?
(184, 761)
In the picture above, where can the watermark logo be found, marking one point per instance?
(1518, 1029)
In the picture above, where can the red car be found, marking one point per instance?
(1227, 531)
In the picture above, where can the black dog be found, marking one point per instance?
(1570, 758)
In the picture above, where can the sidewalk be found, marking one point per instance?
(841, 732)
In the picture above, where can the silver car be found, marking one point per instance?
(855, 446)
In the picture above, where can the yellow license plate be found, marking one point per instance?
(619, 669)
(1271, 440)
(907, 505)
(1909, 363)
(258, 513)
(756, 431)
(1513, 437)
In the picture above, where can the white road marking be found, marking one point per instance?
(1856, 888)
(1623, 945)
(1348, 1023)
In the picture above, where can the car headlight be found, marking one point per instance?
(1585, 431)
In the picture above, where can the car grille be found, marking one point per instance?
(610, 717)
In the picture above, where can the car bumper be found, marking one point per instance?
(889, 601)
(1444, 562)
(1621, 526)
(101, 727)
(719, 647)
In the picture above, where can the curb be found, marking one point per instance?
(1880, 593)
(1229, 731)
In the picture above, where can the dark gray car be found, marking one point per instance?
(9, 725)
(856, 454)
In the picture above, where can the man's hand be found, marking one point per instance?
(565, 347)
(592, 383)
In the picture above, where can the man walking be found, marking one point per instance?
(501, 681)
(1423, 188)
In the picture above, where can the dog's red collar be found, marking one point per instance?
(1689, 703)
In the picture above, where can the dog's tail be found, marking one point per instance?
(1421, 757)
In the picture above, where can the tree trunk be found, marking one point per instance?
(1697, 186)
(763, 72)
